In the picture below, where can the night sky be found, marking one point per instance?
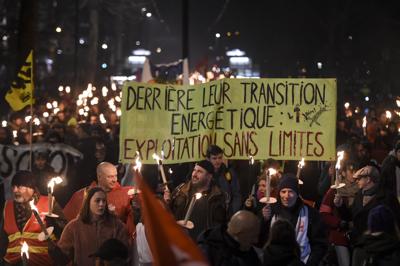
(280, 34)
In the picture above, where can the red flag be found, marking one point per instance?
(169, 244)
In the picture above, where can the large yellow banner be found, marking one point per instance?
(264, 118)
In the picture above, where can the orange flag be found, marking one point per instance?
(169, 244)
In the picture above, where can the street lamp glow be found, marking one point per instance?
(346, 105)
(319, 65)
(81, 41)
(104, 46)
(158, 50)
(366, 98)
(217, 35)
(58, 29)
(148, 14)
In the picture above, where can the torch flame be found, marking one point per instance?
(33, 207)
(271, 171)
(388, 114)
(340, 156)
(251, 160)
(138, 163)
(55, 180)
(364, 124)
(198, 195)
(301, 163)
(24, 249)
(157, 158)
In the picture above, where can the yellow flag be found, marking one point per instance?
(21, 92)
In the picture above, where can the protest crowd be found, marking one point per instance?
(238, 212)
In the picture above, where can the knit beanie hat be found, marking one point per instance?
(289, 180)
(206, 165)
(381, 219)
(42, 154)
(24, 178)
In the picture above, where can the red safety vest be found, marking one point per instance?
(38, 251)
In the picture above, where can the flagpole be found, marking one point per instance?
(31, 138)
(31, 108)
(185, 29)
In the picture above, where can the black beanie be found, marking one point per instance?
(206, 165)
(289, 180)
(24, 178)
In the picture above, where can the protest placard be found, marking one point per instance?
(263, 118)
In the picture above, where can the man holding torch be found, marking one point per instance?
(20, 224)
(209, 210)
(310, 233)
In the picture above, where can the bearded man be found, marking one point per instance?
(209, 210)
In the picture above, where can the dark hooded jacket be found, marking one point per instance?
(281, 255)
(378, 250)
(222, 250)
(208, 211)
(315, 233)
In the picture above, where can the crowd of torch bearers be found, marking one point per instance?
(46, 232)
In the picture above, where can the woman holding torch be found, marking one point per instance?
(334, 213)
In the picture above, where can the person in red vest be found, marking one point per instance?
(20, 224)
(119, 202)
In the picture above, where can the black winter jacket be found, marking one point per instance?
(222, 250)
